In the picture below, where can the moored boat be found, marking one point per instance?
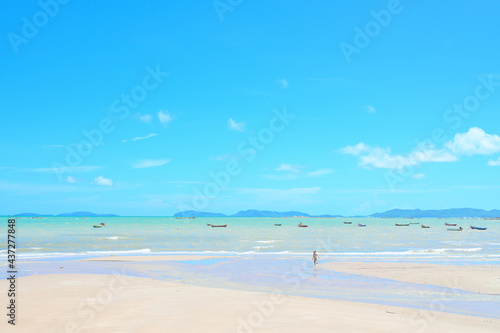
(451, 224)
(218, 225)
(303, 225)
(278, 224)
(361, 225)
(477, 228)
(402, 224)
(455, 229)
(425, 226)
(347, 222)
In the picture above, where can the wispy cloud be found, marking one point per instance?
(233, 125)
(142, 164)
(283, 82)
(369, 108)
(296, 171)
(319, 173)
(164, 117)
(494, 162)
(289, 167)
(101, 181)
(145, 118)
(150, 135)
(356, 150)
(70, 179)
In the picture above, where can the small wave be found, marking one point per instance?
(35, 248)
(262, 247)
(266, 241)
(34, 255)
(115, 237)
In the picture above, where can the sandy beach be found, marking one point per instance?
(117, 303)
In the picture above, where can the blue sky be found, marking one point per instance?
(342, 108)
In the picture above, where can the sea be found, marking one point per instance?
(266, 254)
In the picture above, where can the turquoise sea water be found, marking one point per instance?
(260, 256)
(380, 239)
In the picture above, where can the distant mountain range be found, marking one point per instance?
(396, 213)
(89, 214)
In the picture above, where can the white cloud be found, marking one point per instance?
(475, 141)
(369, 109)
(382, 158)
(233, 125)
(150, 135)
(147, 118)
(377, 157)
(289, 167)
(494, 162)
(356, 150)
(164, 117)
(319, 173)
(101, 181)
(70, 179)
(149, 163)
(419, 176)
(283, 82)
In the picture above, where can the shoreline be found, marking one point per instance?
(117, 303)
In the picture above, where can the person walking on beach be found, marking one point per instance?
(315, 258)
